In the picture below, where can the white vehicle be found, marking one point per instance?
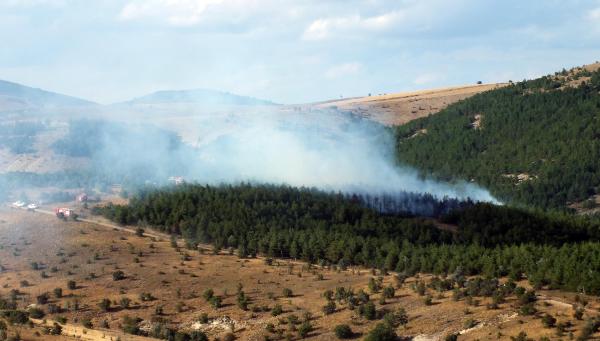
(18, 204)
(32, 207)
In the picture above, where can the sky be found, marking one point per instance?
(288, 51)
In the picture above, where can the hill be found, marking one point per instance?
(534, 142)
(402, 107)
(202, 96)
(17, 97)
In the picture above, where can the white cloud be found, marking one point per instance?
(324, 28)
(344, 69)
(175, 12)
(594, 14)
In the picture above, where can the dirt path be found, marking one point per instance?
(82, 333)
(153, 234)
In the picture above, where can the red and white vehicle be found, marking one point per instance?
(63, 212)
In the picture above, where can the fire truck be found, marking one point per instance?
(65, 213)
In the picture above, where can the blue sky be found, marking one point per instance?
(289, 51)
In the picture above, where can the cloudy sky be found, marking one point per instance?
(289, 51)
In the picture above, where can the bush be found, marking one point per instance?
(527, 309)
(87, 323)
(287, 292)
(130, 325)
(125, 302)
(36, 313)
(381, 332)
(368, 311)
(208, 294)
(389, 292)
(329, 308)
(43, 298)
(15, 316)
(56, 329)
(216, 302)
(118, 275)
(72, 285)
(548, 321)
(58, 292)
(104, 304)
(451, 337)
(277, 310)
(146, 297)
(343, 331)
(198, 336)
(304, 329)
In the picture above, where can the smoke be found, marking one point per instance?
(325, 149)
(329, 150)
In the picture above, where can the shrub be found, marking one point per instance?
(146, 297)
(216, 302)
(118, 275)
(36, 313)
(548, 321)
(53, 309)
(208, 294)
(130, 325)
(287, 292)
(277, 310)
(389, 292)
(304, 329)
(125, 302)
(58, 292)
(104, 304)
(381, 332)
(43, 298)
(343, 331)
(527, 309)
(198, 336)
(451, 337)
(15, 316)
(329, 308)
(72, 285)
(368, 311)
(87, 323)
(56, 329)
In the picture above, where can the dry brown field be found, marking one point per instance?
(399, 108)
(89, 253)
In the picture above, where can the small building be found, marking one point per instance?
(82, 197)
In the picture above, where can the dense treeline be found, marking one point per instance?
(19, 137)
(280, 221)
(540, 128)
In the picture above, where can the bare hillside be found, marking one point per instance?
(402, 107)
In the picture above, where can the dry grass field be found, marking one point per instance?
(402, 107)
(39, 253)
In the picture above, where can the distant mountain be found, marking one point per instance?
(200, 96)
(17, 97)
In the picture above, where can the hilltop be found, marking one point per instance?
(198, 96)
(17, 97)
(402, 107)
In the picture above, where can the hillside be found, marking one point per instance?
(533, 142)
(17, 97)
(105, 282)
(198, 96)
(402, 107)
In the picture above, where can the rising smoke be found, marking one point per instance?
(330, 150)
